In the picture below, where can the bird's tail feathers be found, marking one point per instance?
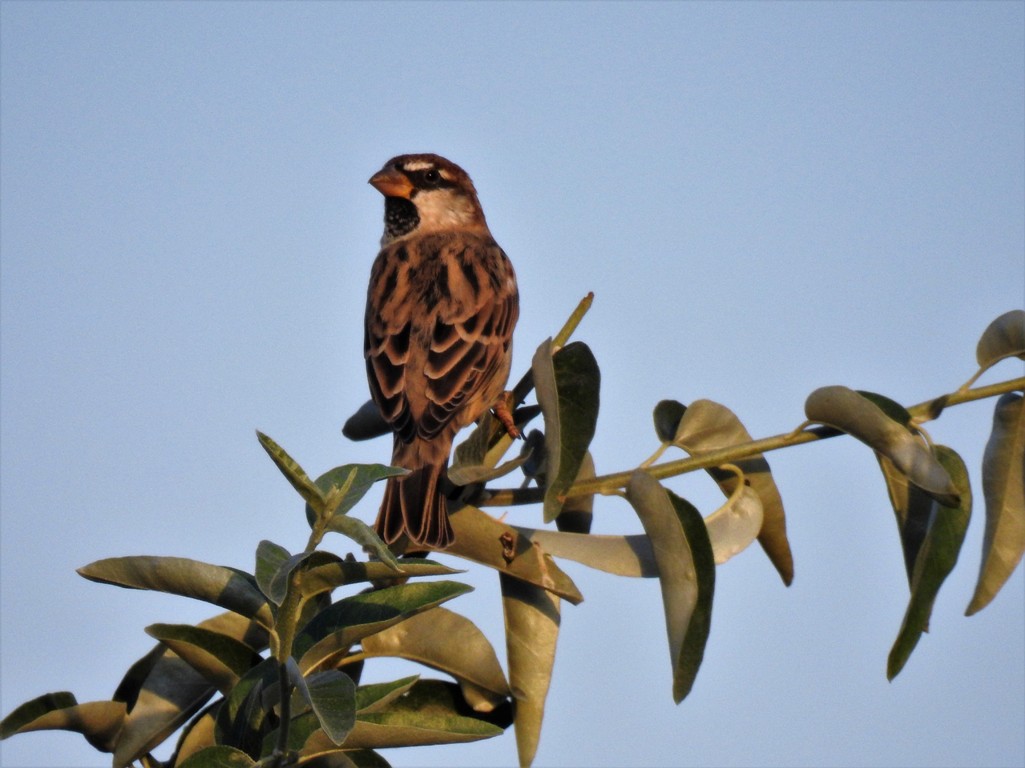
(415, 506)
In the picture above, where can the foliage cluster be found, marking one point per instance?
(275, 679)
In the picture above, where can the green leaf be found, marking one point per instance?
(270, 557)
(295, 474)
(475, 458)
(472, 451)
(134, 678)
(1003, 485)
(366, 423)
(319, 563)
(431, 712)
(468, 474)
(533, 449)
(667, 417)
(938, 555)
(333, 698)
(219, 757)
(343, 757)
(531, 632)
(707, 426)
(197, 735)
(448, 642)
(189, 578)
(99, 721)
(164, 692)
(683, 553)
(577, 512)
(171, 694)
(913, 509)
(377, 696)
(353, 480)
(1004, 337)
(327, 572)
(567, 387)
(283, 578)
(859, 417)
(891, 408)
(242, 719)
(361, 533)
(346, 622)
(300, 728)
(238, 627)
(219, 658)
(485, 540)
(25, 713)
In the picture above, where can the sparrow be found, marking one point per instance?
(441, 308)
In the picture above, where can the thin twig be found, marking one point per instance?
(925, 411)
(526, 383)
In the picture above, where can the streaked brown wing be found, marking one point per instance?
(445, 306)
(388, 328)
(471, 341)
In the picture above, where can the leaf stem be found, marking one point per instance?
(281, 748)
(285, 625)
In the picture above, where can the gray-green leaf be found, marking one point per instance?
(349, 620)
(365, 536)
(1003, 485)
(99, 721)
(620, 555)
(374, 697)
(219, 756)
(1004, 337)
(333, 699)
(667, 415)
(215, 584)
(736, 524)
(683, 554)
(705, 426)
(431, 712)
(913, 509)
(366, 423)
(163, 691)
(853, 413)
(936, 559)
(221, 659)
(351, 481)
(270, 558)
(446, 641)
(295, 474)
(483, 539)
(567, 390)
(531, 631)
(325, 572)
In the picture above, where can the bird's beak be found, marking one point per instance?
(390, 183)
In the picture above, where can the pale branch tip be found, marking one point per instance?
(526, 383)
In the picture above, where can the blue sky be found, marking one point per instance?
(765, 198)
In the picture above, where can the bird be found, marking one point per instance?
(441, 308)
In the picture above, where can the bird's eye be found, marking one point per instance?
(432, 176)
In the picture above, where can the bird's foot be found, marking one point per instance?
(503, 412)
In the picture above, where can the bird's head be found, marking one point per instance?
(426, 193)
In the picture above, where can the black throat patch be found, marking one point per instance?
(400, 216)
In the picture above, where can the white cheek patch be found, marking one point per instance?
(439, 208)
